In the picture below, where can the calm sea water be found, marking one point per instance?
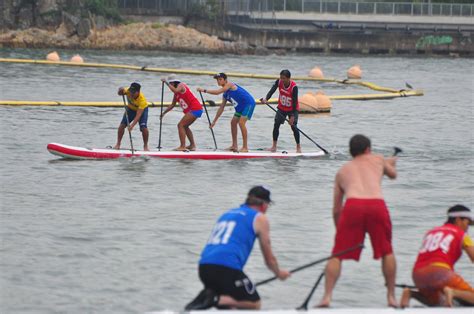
(125, 236)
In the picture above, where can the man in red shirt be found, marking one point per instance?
(192, 110)
(288, 106)
(433, 273)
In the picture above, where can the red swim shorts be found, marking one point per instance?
(358, 217)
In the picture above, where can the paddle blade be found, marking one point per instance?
(397, 150)
(304, 306)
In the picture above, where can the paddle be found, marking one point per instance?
(128, 124)
(304, 134)
(397, 150)
(404, 286)
(209, 120)
(361, 245)
(161, 113)
(304, 306)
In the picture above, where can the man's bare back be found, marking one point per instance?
(362, 176)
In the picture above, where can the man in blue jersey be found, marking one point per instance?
(243, 102)
(227, 250)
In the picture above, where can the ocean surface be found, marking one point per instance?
(124, 236)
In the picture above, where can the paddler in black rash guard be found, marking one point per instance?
(288, 106)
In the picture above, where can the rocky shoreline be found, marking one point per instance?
(142, 36)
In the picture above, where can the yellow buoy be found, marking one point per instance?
(316, 72)
(77, 59)
(53, 56)
(308, 103)
(354, 72)
(324, 102)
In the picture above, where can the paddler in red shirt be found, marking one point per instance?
(288, 106)
(433, 273)
(192, 110)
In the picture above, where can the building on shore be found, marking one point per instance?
(329, 26)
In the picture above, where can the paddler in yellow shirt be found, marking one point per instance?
(137, 111)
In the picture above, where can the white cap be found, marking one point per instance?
(172, 78)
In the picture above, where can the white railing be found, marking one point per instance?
(351, 7)
(302, 6)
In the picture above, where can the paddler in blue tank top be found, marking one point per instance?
(226, 252)
(243, 102)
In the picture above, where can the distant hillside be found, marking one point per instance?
(77, 16)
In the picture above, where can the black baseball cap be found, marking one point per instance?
(461, 211)
(260, 192)
(134, 87)
(221, 74)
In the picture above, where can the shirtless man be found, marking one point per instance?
(359, 181)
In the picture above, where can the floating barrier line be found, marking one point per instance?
(398, 94)
(407, 93)
(199, 72)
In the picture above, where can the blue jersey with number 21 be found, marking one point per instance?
(232, 239)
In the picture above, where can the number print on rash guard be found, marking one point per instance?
(285, 101)
(221, 232)
(183, 104)
(434, 241)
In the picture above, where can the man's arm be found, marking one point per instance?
(179, 89)
(219, 91)
(141, 104)
(272, 90)
(137, 118)
(294, 97)
(173, 103)
(337, 199)
(262, 228)
(219, 112)
(468, 247)
(389, 167)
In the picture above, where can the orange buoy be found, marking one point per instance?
(77, 59)
(316, 72)
(354, 72)
(324, 102)
(308, 103)
(53, 56)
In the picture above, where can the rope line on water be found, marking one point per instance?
(199, 72)
(153, 104)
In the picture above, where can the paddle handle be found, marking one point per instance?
(128, 123)
(161, 113)
(361, 245)
(208, 119)
(299, 130)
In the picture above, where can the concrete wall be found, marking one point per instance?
(346, 41)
